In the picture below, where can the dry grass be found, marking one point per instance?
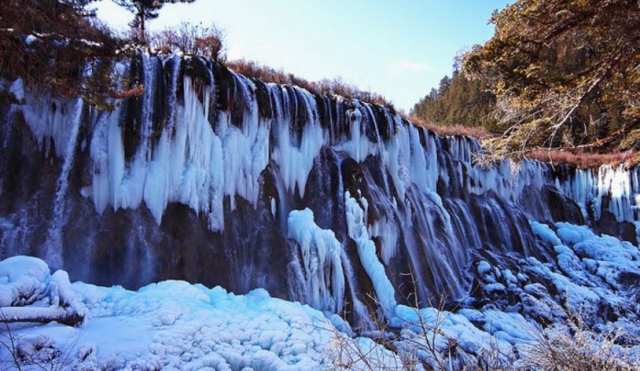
(575, 347)
(336, 86)
(570, 347)
(477, 132)
(135, 91)
(582, 160)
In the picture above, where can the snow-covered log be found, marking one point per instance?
(40, 315)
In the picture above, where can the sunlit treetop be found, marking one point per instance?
(566, 73)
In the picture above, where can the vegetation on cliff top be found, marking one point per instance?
(557, 75)
(559, 80)
(48, 43)
(33, 34)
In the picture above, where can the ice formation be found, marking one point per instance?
(214, 177)
(322, 269)
(176, 325)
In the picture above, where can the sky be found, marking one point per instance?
(398, 48)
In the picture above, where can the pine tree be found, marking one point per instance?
(144, 10)
(458, 101)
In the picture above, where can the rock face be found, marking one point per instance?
(197, 179)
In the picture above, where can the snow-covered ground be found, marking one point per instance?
(169, 325)
(174, 325)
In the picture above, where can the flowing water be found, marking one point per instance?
(202, 176)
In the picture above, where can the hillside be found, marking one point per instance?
(557, 81)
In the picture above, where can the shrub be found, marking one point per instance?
(574, 347)
(582, 160)
(477, 132)
(198, 40)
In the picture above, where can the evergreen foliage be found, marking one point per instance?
(566, 74)
(48, 43)
(458, 101)
(144, 10)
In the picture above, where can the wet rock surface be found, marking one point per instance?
(239, 156)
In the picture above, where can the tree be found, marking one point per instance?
(458, 101)
(48, 43)
(566, 73)
(198, 40)
(144, 10)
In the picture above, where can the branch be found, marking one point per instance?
(602, 73)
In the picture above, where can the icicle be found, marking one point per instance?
(321, 256)
(357, 228)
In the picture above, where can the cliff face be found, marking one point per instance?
(208, 175)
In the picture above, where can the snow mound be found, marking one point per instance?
(589, 276)
(23, 280)
(29, 292)
(174, 325)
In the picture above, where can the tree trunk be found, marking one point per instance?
(141, 26)
(142, 30)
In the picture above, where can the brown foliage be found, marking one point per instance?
(198, 40)
(336, 86)
(573, 63)
(581, 160)
(136, 91)
(477, 132)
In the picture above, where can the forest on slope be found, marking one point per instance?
(559, 79)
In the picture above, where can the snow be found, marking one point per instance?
(23, 280)
(484, 268)
(611, 256)
(62, 295)
(586, 277)
(571, 234)
(174, 325)
(30, 39)
(545, 233)
(512, 328)
(20, 313)
(602, 256)
(180, 326)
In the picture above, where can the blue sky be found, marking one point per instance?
(399, 48)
